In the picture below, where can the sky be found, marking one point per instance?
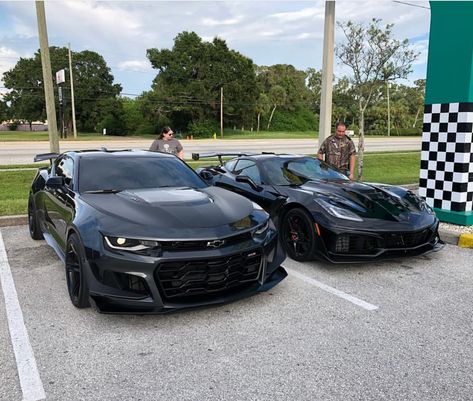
(268, 32)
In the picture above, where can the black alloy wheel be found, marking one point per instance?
(298, 234)
(33, 224)
(76, 282)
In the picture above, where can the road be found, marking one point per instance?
(411, 340)
(23, 152)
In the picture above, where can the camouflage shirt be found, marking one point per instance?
(337, 151)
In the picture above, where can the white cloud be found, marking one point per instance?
(8, 59)
(135, 65)
(304, 14)
(225, 22)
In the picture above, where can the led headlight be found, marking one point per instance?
(261, 230)
(129, 244)
(339, 212)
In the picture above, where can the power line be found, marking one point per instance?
(411, 4)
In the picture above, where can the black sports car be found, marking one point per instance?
(321, 213)
(141, 232)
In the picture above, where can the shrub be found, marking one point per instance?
(301, 119)
(203, 128)
(113, 125)
(13, 125)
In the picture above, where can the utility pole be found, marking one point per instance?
(221, 112)
(47, 78)
(389, 109)
(327, 72)
(72, 94)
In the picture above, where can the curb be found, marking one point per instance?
(466, 241)
(16, 220)
(449, 237)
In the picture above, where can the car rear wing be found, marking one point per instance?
(219, 155)
(46, 156)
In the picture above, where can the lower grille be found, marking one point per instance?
(180, 280)
(407, 239)
(364, 244)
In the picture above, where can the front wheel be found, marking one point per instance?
(33, 224)
(76, 280)
(298, 234)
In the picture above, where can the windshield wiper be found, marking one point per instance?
(104, 191)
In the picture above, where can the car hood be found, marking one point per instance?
(173, 212)
(366, 200)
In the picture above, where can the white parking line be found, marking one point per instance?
(331, 290)
(30, 382)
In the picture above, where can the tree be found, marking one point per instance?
(374, 57)
(4, 112)
(262, 107)
(190, 76)
(93, 82)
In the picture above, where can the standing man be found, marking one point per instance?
(167, 144)
(339, 151)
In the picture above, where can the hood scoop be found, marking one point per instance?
(168, 196)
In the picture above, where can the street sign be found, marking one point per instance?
(60, 76)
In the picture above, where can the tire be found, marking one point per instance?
(75, 278)
(33, 223)
(297, 234)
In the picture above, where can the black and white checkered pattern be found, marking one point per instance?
(446, 168)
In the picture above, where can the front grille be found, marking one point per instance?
(180, 280)
(407, 239)
(202, 244)
(365, 245)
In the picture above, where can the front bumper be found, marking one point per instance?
(364, 246)
(122, 282)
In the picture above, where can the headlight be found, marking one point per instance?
(338, 211)
(424, 206)
(261, 230)
(129, 244)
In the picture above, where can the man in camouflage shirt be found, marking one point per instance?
(339, 151)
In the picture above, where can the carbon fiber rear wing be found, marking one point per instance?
(219, 155)
(46, 156)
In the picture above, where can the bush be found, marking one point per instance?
(113, 125)
(203, 129)
(298, 120)
(13, 125)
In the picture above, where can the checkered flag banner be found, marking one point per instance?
(446, 167)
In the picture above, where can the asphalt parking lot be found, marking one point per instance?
(397, 330)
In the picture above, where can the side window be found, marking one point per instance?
(65, 168)
(248, 168)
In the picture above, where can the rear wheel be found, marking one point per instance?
(298, 234)
(33, 224)
(76, 281)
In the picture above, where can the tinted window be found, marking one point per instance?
(64, 168)
(248, 168)
(122, 173)
(281, 171)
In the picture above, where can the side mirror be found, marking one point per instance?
(249, 181)
(55, 182)
(206, 175)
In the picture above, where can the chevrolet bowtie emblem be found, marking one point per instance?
(215, 244)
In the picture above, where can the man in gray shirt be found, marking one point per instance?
(167, 144)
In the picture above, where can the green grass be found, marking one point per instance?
(27, 136)
(389, 168)
(14, 189)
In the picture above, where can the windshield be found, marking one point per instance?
(121, 173)
(283, 171)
